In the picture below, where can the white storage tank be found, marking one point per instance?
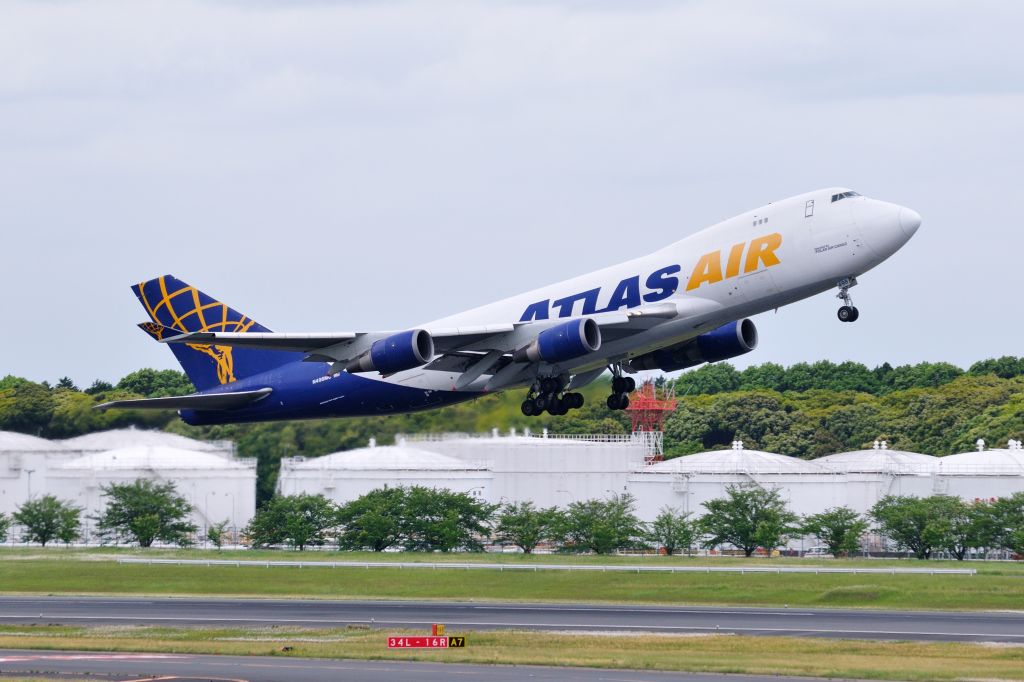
(872, 474)
(115, 439)
(24, 461)
(217, 487)
(982, 474)
(344, 476)
(687, 482)
(552, 471)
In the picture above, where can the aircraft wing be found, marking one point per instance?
(342, 347)
(196, 401)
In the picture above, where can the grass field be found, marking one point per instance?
(997, 585)
(720, 653)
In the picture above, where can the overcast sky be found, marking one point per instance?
(372, 165)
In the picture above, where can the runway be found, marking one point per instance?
(182, 667)
(468, 616)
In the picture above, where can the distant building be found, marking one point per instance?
(686, 483)
(344, 476)
(549, 470)
(131, 437)
(218, 485)
(24, 463)
(218, 488)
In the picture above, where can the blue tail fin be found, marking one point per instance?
(174, 304)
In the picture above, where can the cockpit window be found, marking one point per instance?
(843, 195)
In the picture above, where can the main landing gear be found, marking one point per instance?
(621, 388)
(547, 394)
(847, 312)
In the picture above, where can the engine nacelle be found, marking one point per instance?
(395, 353)
(728, 341)
(566, 341)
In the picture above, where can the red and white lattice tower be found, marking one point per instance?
(648, 410)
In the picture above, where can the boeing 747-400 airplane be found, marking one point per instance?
(678, 307)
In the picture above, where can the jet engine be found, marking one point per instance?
(395, 353)
(727, 341)
(563, 342)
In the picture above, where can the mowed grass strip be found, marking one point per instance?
(983, 591)
(719, 653)
(507, 558)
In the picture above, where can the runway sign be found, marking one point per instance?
(426, 642)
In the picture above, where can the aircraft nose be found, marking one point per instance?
(910, 220)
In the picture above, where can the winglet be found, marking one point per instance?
(158, 331)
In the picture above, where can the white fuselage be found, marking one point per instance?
(754, 262)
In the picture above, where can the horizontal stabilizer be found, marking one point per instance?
(196, 401)
(266, 341)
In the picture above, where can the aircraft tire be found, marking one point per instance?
(558, 407)
(856, 314)
(529, 408)
(845, 314)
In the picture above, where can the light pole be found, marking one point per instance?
(232, 496)
(206, 515)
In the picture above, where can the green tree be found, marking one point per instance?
(442, 520)
(99, 386)
(1006, 529)
(373, 521)
(672, 530)
(768, 376)
(153, 383)
(525, 526)
(65, 383)
(144, 512)
(48, 518)
(25, 407)
(963, 526)
(602, 526)
(706, 379)
(5, 524)
(748, 517)
(921, 524)
(298, 521)
(1005, 367)
(217, 533)
(839, 528)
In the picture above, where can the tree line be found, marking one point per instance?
(748, 518)
(805, 410)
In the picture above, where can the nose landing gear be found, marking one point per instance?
(847, 312)
(546, 394)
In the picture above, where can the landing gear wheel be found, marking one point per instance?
(847, 313)
(575, 400)
(543, 401)
(529, 408)
(618, 401)
(558, 407)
